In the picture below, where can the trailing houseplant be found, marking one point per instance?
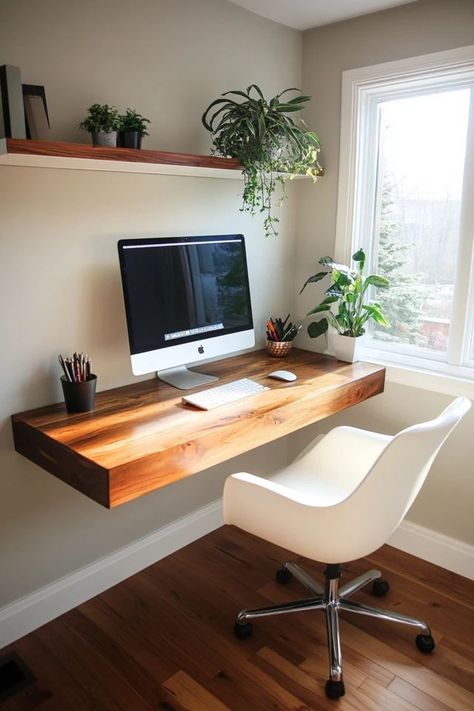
(132, 128)
(102, 122)
(346, 308)
(268, 141)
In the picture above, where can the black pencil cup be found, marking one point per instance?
(80, 396)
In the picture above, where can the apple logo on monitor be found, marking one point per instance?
(201, 349)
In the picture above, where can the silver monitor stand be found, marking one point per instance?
(183, 378)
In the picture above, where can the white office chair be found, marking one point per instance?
(340, 500)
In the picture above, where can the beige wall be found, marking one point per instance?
(166, 58)
(445, 503)
(60, 285)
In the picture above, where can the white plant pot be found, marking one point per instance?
(345, 348)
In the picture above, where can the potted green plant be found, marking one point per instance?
(270, 143)
(346, 307)
(102, 122)
(132, 128)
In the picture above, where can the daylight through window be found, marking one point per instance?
(412, 192)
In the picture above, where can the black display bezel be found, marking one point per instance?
(179, 240)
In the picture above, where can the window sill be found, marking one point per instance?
(418, 377)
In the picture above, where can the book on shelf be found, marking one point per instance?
(36, 118)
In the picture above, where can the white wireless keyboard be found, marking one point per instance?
(223, 394)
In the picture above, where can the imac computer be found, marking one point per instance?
(186, 299)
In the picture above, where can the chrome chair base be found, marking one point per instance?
(332, 599)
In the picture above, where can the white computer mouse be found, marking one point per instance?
(283, 375)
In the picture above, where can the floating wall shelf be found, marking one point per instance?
(78, 156)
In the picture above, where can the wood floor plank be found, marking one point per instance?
(288, 673)
(93, 672)
(414, 673)
(440, 610)
(53, 676)
(191, 695)
(232, 654)
(125, 664)
(167, 628)
(146, 650)
(456, 667)
(316, 665)
(422, 700)
(163, 640)
(369, 667)
(442, 581)
(199, 655)
(384, 697)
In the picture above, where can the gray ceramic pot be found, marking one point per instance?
(104, 138)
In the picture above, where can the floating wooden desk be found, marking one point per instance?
(141, 437)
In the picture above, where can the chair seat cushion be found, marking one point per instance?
(326, 476)
(323, 490)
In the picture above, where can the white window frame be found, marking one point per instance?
(361, 89)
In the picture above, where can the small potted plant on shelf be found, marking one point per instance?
(102, 123)
(270, 144)
(132, 128)
(280, 336)
(346, 307)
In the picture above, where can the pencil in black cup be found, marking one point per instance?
(78, 382)
(65, 368)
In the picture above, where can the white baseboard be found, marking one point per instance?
(32, 611)
(434, 547)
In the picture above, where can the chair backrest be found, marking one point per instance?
(376, 507)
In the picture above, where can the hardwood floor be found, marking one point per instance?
(163, 640)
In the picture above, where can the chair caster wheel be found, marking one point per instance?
(242, 630)
(334, 689)
(380, 587)
(283, 575)
(425, 643)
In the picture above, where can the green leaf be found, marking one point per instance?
(257, 89)
(359, 257)
(250, 127)
(299, 99)
(286, 108)
(320, 307)
(236, 92)
(334, 290)
(314, 278)
(375, 313)
(293, 88)
(375, 280)
(312, 136)
(341, 279)
(326, 260)
(317, 328)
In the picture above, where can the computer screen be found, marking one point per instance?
(186, 299)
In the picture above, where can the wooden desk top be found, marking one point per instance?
(141, 437)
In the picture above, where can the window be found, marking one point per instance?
(406, 194)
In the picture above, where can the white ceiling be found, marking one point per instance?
(304, 14)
